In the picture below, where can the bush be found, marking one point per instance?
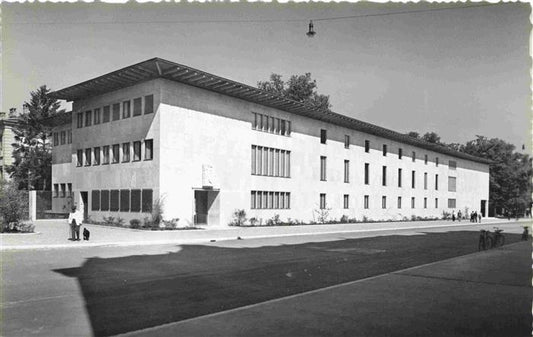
(119, 222)
(274, 221)
(135, 223)
(239, 218)
(13, 203)
(109, 220)
(157, 212)
(171, 224)
(253, 221)
(26, 227)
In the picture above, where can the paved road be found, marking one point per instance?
(109, 290)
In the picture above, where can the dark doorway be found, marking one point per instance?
(206, 207)
(483, 207)
(85, 201)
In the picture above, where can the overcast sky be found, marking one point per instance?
(460, 72)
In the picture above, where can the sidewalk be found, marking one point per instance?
(55, 233)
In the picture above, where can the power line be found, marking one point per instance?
(252, 20)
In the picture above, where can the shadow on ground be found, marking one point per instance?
(131, 293)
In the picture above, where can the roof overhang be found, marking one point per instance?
(160, 68)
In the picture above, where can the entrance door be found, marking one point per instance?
(206, 207)
(85, 201)
(200, 201)
(483, 204)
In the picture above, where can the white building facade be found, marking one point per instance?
(207, 146)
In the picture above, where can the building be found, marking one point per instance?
(207, 146)
(7, 138)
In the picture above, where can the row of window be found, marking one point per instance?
(122, 200)
(270, 200)
(113, 112)
(366, 202)
(62, 190)
(101, 155)
(62, 137)
(267, 161)
(270, 124)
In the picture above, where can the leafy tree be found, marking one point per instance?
(32, 153)
(413, 134)
(431, 137)
(299, 88)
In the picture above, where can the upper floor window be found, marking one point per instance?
(272, 162)
(96, 116)
(452, 184)
(69, 137)
(136, 151)
(437, 161)
(323, 136)
(96, 155)
(346, 171)
(148, 149)
(126, 109)
(88, 118)
(425, 180)
(125, 152)
(116, 111)
(79, 158)
(106, 114)
(346, 141)
(412, 179)
(56, 139)
(452, 164)
(323, 168)
(148, 104)
(384, 150)
(105, 155)
(79, 120)
(436, 181)
(367, 146)
(400, 153)
(399, 177)
(413, 156)
(115, 154)
(384, 176)
(137, 106)
(367, 173)
(88, 156)
(425, 159)
(63, 137)
(271, 124)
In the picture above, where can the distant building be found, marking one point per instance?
(208, 146)
(7, 138)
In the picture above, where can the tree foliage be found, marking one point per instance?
(299, 88)
(32, 149)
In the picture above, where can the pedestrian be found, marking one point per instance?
(453, 215)
(479, 217)
(75, 219)
(475, 216)
(459, 215)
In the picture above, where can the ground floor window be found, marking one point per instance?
(270, 200)
(451, 203)
(346, 201)
(366, 201)
(124, 200)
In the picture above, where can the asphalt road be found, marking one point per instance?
(111, 290)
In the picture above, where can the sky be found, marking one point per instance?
(460, 73)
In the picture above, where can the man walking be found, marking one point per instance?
(75, 219)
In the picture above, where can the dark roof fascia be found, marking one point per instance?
(123, 79)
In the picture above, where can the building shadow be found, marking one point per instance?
(130, 293)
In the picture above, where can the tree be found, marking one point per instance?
(32, 153)
(299, 88)
(431, 137)
(413, 134)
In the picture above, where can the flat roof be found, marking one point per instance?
(160, 68)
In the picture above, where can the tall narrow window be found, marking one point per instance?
(399, 177)
(366, 201)
(288, 164)
(413, 156)
(88, 157)
(437, 161)
(254, 150)
(412, 202)
(383, 202)
(148, 104)
(56, 190)
(384, 176)
(136, 151)
(79, 158)
(124, 200)
(323, 168)
(436, 202)
(135, 201)
(425, 202)
(367, 173)
(425, 159)
(147, 200)
(95, 200)
(114, 200)
(116, 111)
(116, 154)
(412, 179)
(367, 146)
(88, 118)
(106, 114)
(105, 155)
(69, 137)
(400, 153)
(323, 136)
(79, 120)
(346, 201)
(346, 141)
(63, 190)
(104, 200)
(254, 124)
(69, 189)
(283, 127)
(346, 171)
(63, 137)
(452, 184)
(148, 149)
(436, 181)
(56, 139)
(252, 199)
(399, 202)
(96, 155)
(126, 106)
(322, 200)
(96, 116)
(125, 152)
(384, 149)
(137, 106)
(425, 180)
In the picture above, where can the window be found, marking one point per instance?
(451, 203)
(114, 198)
(56, 190)
(452, 184)
(96, 116)
(436, 202)
(107, 114)
(436, 181)
(399, 177)
(69, 137)
(95, 200)
(104, 200)
(400, 153)
(383, 202)
(137, 106)
(88, 118)
(136, 151)
(367, 146)
(69, 188)
(63, 137)
(437, 161)
(126, 105)
(148, 104)
(269, 200)
(346, 171)
(282, 123)
(56, 139)
(323, 168)
(366, 201)
(125, 152)
(322, 200)
(148, 149)
(346, 141)
(452, 164)
(399, 202)
(425, 180)
(96, 156)
(367, 169)
(88, 153)
(79, 120)
(135, 201)
(413, 156)
(425, 202)
(146, 201)
(105, 155)
(124, 200)
(346, 201)
(116, 111)
(323, 136)
(384, 176)
(412, 179)
(426, 159)
(63, 190)
(384, 150)
(115, 154)
(79, 158)
(412, 202)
